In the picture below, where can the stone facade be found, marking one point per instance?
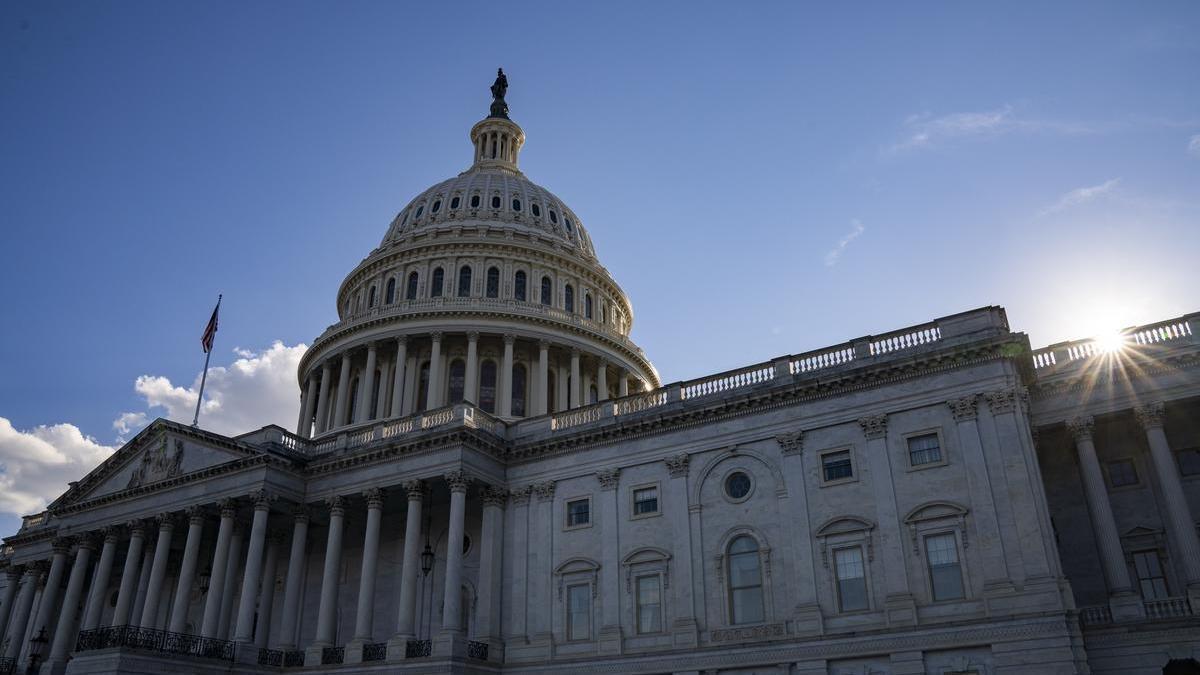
(937, 499)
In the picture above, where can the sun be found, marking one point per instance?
(1110, 341)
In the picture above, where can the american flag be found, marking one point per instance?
(210, 331)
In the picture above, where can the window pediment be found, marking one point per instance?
(935, 511)
(844, 525)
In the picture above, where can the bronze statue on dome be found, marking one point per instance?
(499, 88)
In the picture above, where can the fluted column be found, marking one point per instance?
(543, 375)
(129, 577)
(405, 625)
(471, 385)
(381, 403)
(48, 608)
(506, 368)
(491, 550)
(1179, 516)
(1105, 525)
(398, 379)
(220, 560)
(364, 622)
(158, 571)
(143, 583)
(304, 428)
(327, 612)
(254, 559)
(576, 399)
(187, 570)
(64, 635)
(323, 398)
(295, 575)
(266, 597)
(541, 563)
(95, 604)
(13, 579)
(362, 410)
(602, 380)
(452, 592)
(562, 391)
(342, 410)
(434, 391)
(19, 620)
(233, 564)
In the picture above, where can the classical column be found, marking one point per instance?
(398, 379)
(143, 583)
(491, 548)
(129, 577)
(452, 593)
(364, 623)
(95, 604)
(562, 389)
(576, 384)
(362, 410)
(48, 608)
(295, 575)
(433, 396)
(898, 601)
(158, 571)
(610, 563)
(327, 613)
(602, 380)
(187, 570)
(622, 383)
(13, 579)
(19, 620)
(1105, 525)
(543, 375)
(342, 409)
(232, 566)
(304, 429)
(979, 487)
(471, 386)
(64, 635)
(675, 505)
(506, 368)
(323, 398)
(381, 403)
(405, 626)
(220, 560)
(266, 597)
(1179, 516)
(254, 559)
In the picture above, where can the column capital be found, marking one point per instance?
(415, 489)
(677, 465)
(374, 497)
(402, 339)
(874, 426)
(261, 499)
(196, 514)
(14, 572)
(964, 408)
(458, 480)
(37, 568)
(544, 490)
(372, 346)
(1000, 402)
(301, 513)
(608, 478)
(228, 507)
(574, 352)
(88, 540)
(62, 545)
(166, 521)
(472, 336)
(136, 527)
(346, 356)
(509, 339)
(436, 336)
(791, 443)
(1150, 416)
(520, 496)
(494, 496)
(337, 505)
(111, 534)
(543, 345)
(1081, 428)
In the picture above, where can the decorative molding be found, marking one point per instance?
(1000, 402)
(374, 497)
(166, 521)
(770, 631)
(493, 496)
(520, 496)
(458, 480)
(111, 534)
(196, 514)
(1081, 428)
(1150, 416)
(965, 408)
(544, 490)
(228, 507)
(608, 478)
(791, 443)
(301, 513)
(62, 545)
(415, 490)
(88, 541)
(261, 499)
(337, 505)
(874, 426)
(678, 465)
(509, 339)
(158, 463)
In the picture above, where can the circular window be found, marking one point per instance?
(738, 485)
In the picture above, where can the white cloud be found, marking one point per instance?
(925, 131)
(1194, 145)
(834, 254)
(37, 464)
(1080, 196)
(127, 422)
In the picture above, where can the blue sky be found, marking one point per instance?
(761, 178)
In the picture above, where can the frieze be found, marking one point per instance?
(770, 631)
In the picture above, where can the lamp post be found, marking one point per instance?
(37, 644)
(205, 578)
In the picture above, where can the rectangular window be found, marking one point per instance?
(851, 579)
(1150, 575)
(649, 604)
(836, 465)
(579, 612)
(1122, 472)
(1189, 462)
(645, 501)
(945, 574)
(924, 449)
(579, 512)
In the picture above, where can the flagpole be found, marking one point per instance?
(204, 377)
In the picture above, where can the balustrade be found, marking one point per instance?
(906, 338)
(1167, 608)
(734, 379)
(374, 651)
(415, 649)
(135, 637)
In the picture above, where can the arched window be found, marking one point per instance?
(553, 217)
(437, 206)
(411, 292)
(518, 390)
(593, 394)
(536, 210)
(458, 381)
(587, 305)
(493, 283)
(353, 400)
(516, 204)
(519, 285)
(390, 297)
(438, 278)
(546, 290)
(745, 581)
(474, 201)
(423, 388)
(487, 386)
(455, 202)
(496, 202)
(371, 298)
(464, 281)
(420, 210)
(569, 298)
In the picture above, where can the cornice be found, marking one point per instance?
(1085, 380)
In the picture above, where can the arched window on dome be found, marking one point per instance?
(535, 210)
(518, 389)
(567, 222)
(371, 298)
(420, 210)
(603, 312)
(547, 290)
(410, 293)
(569, 298)
(587, 305)
(745, 581)
(454, 202)
(474, 201)
(553, 217)
(438, 277)
(390, 296)
(464, 281)
(487, 386)
(519, 285)
(516, 204)
(492, 289)
(423, 388)
(437, 206)
(496, 202)
(458, 381)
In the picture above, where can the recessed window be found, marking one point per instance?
(437, 206)
(371, 297)
(738, 485)
(553, 216)
(496, 202)
(579, 612)
(516, 204)
(492, 289)
(546, 290)
(649, 604)
(567, 222)
(464, 282)
(420, 210)
(1189, 461)
(1122, 473)
(587, 305)
(645, 501)
(851, 579)
(410, 293)
(391, 291)
(487, 386)
(454, 203)
(439, 277)
(924, 449)
(579, 512)
(945, 574)
(519, 285)
(836, 466)
(537, 210)
(1150, 576)
(474, 201)
(569, 298)
(745, 582)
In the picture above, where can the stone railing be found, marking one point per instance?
(1099, 615)
(728, 381)
(36, 520)
(366, 433)
(906, 338)
(1167, 608)
(1182, 330)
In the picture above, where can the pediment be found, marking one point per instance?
(934, 511)
(844, 525)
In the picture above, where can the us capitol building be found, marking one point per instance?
(488, 476)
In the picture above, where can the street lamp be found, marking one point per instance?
(205, 578)
(427, 559)
(37, 645)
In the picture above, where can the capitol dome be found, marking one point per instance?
(485, 289)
